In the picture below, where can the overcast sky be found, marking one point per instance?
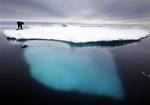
(124, 11)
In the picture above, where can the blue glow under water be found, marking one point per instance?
(89, 70)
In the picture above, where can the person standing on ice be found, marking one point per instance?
(19, 24)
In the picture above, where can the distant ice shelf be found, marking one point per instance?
(78, 34)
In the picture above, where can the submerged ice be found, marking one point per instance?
(78, 34)
(88, 70)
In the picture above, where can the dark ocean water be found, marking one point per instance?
(20, 84)
(134, 68)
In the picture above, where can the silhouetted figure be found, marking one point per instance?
(19, 24)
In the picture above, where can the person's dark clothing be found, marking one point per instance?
(19, 23)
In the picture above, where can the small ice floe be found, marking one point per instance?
(146, 74)
(24, 46)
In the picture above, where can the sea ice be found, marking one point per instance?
(86, 70)
(77, 34)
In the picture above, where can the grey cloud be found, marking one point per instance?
(25, 9)
(126, 9)
(77, 9)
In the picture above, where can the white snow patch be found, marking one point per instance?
(78, 34)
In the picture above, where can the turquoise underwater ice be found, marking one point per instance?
(88, 70)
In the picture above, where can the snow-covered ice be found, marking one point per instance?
(78, 34)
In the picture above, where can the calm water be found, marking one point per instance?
(49, 73)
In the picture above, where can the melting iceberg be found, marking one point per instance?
(88, 70)
(77, 34)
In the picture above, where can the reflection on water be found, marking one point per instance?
(89, 70)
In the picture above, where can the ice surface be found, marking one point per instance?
(88, 70)
(78, 34)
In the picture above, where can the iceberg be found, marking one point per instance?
(85, 70)
(78, 34)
